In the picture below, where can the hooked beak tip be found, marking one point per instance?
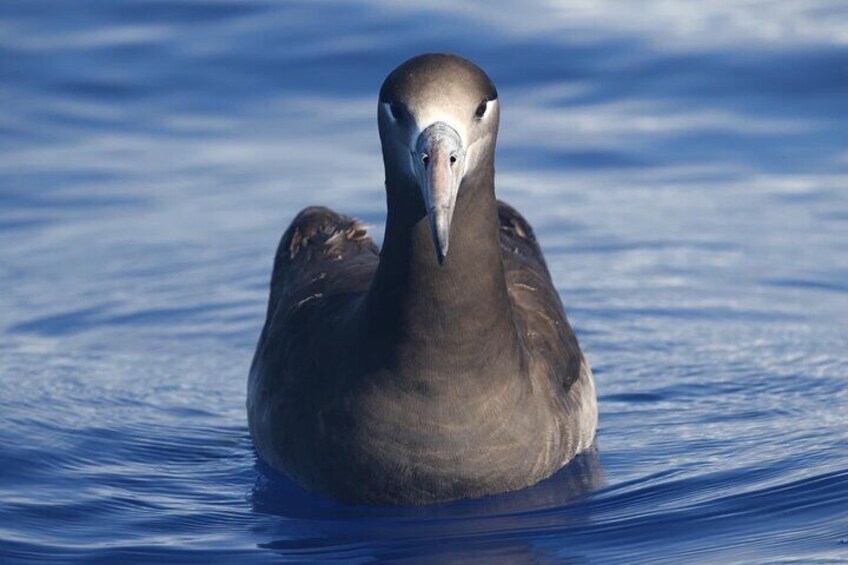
(440, 234)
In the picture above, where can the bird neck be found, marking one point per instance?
(453, 314)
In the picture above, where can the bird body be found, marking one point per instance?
(407, 376)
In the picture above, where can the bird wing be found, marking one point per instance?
(539, 314)
(518, 240)
(323, 263)
(321, 251)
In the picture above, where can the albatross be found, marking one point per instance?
(442, 366)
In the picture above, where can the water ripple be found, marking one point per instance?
(684, 168)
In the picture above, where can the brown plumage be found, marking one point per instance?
(405, 376)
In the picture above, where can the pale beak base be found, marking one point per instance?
(439, 157)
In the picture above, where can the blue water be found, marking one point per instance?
(685, 166)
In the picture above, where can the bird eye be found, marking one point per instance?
(396, 111)
(481, 109)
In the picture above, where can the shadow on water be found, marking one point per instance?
(493, 528)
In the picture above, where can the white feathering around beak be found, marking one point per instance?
(443, 142)
(452, 116)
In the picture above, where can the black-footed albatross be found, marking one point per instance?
(443, 366)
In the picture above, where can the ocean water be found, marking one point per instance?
(685, 166)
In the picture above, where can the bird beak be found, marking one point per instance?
(440, 161)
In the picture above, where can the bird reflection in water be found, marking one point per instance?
(489, 529)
